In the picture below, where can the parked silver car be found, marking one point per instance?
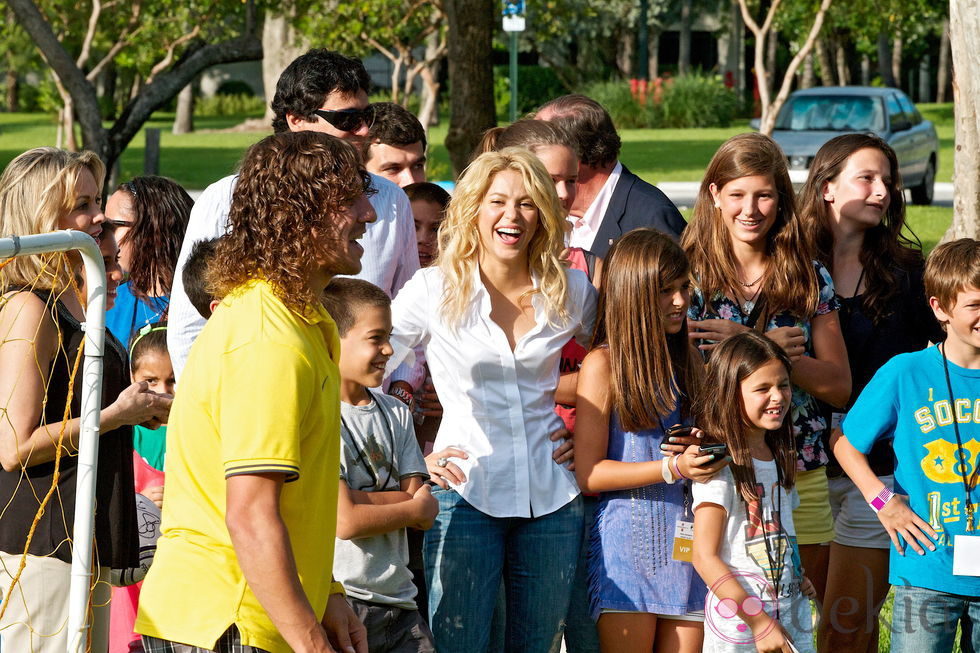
(811, 117)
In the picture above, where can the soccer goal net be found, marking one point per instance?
(34, 499)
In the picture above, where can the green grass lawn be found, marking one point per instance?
(198, 159)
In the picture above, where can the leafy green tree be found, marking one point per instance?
(163, 44)
(763, 30)
(395, 28)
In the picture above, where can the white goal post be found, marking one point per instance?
(88, 441)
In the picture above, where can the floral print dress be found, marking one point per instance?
(809, 424)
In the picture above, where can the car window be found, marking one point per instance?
(831, 113)
(910, 111)
(896, 117)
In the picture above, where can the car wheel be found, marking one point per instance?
(923, 193)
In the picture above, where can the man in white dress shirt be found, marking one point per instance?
(319, 91)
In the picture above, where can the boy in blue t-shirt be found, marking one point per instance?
(929, 402)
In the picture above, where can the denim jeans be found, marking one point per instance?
(468, 552)
(581, 635)
(924, 621)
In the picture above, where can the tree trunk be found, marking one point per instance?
(653, 59)
(281, 43)
(625, 53)
(865, 70)
(684, 42)
(942, 75)
(843, 69)
(771, 49)
(411, 73)
(964, 28)
(109, 78)
(806, 81)
(924, 91)
(897, 61)
(736, 51)
(471, 25)
(396, 74)
(429, 110)
(885, 69)
(184, 120)
(826, 65)
(771, 107)
(13, 82)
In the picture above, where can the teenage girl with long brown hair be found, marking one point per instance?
(744, 539)
(634, 384)
(752, 269)
(853, 210)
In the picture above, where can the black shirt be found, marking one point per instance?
(908, 326)
(21, 491)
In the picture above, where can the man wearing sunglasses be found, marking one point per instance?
(321, 91)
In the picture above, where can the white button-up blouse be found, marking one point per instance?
(498, 405)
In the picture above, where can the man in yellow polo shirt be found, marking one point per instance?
(249, 515)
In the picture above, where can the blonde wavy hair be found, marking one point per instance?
(36, 190)
(459, 237)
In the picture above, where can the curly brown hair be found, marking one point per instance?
(290, 188)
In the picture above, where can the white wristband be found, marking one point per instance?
(667, 472)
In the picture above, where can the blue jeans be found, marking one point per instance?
(468, 552)
(581, 635)
(924, 621)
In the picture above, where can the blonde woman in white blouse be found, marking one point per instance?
(493, 314)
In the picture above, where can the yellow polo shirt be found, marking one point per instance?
(259, 394)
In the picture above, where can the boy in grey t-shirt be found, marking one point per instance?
(382, 474)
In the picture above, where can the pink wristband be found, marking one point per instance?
(677, 468)
(879, 501)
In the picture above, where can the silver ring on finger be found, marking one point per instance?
(442, 462)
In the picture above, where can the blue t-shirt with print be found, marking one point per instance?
(908, 399)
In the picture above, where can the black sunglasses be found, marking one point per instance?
(348, 120)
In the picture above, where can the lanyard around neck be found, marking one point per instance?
(959, 444)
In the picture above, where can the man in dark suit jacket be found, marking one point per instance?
(610, 199)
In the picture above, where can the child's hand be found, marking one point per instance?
(809, 591)
(700, 468)
(771, 637)
(565, 453)
(678, 444)
(138, 405)
(428, 507)
(154, 494)
(791, 339)
(428, 401)
(899, 519)
(714, 329)
(442, 475)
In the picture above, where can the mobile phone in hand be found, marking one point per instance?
(719, 450)
(679, 431)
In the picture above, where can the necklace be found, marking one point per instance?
(749, 301)
(749, 285)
